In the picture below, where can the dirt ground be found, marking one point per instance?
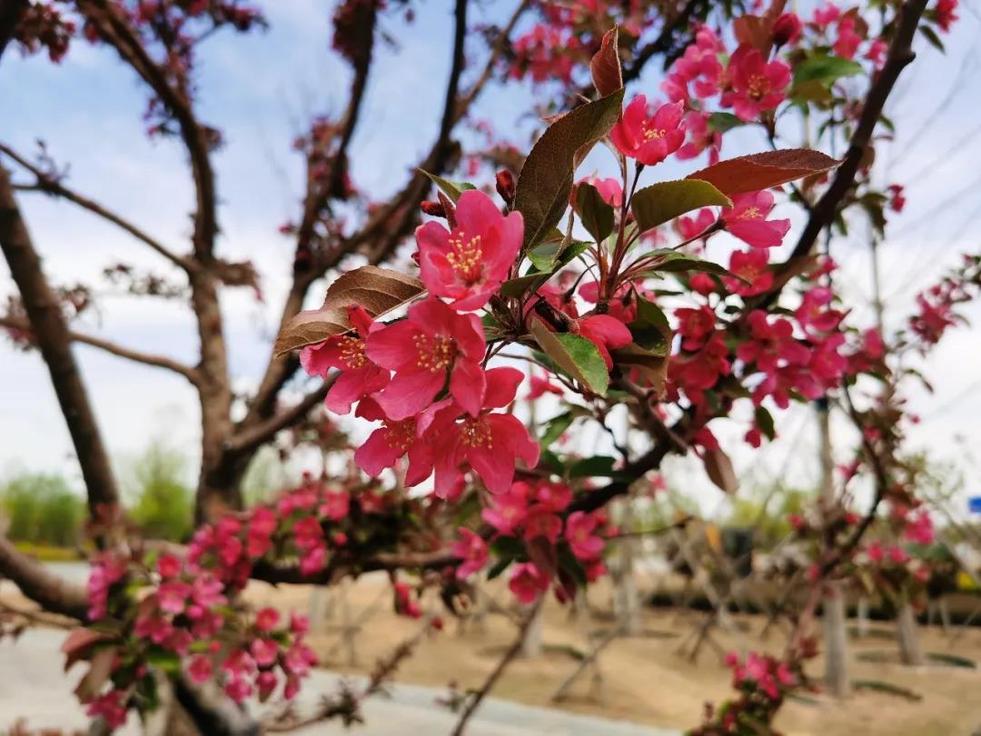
(644, 678)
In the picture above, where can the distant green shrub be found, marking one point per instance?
(160, 502)
(42, 509)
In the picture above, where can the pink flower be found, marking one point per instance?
(826, 15)
(605, 331)
(472, 550)
(468, 263)
(169, 566)
(876, 52)
(431, 343)
(746, 219)
(299, 659)
(488, 442)
(875, 552)
(757, 85)
(199, 669)
(609, 189)
(946, 17)
(701, 137)
(508, 511)
(649, 139)
(527, 582)
(541, 522)
(264, 651)
(266, 682)
(109, 706)
(540, 386)
(394, 439)
(691, 227)
(266, 619)
(359, 376)
(336, 503)
(848, 40)
(173, 596)
(751, 267)
(579, 533)
(299, 624)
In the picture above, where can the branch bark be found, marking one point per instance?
(54, 340)
(44, 183)
(10, 12)
(158, 361)
(824, 211)
(48, 590)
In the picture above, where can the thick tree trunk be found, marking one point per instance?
(833, 605)
(907, 633)
(53, 340)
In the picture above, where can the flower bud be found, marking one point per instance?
(787, 29)
(433, 209)
(505, 186)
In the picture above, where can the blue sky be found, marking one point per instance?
(261, 89)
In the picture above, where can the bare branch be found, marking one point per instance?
(53, 338)
(36, 582)
(159, 361)
(10, 12)
(824, 211)
(45, 183)
(258, 434)
(116, 31)
(495, 675)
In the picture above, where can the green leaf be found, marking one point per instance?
(720, 122)
(933, 38)
(555, 427)
(452, 189)
(659, 203)
(521, 284)
(498, 567)
(576, 355)
(595, 213)
(764, 420)
(164, 660)
(825, 69)
(551, 256)
(591, 467)
(546, 177)
(651, 364)
(571, 566)
(672, 261)
(651, 329)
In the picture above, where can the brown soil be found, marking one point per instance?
(644, 678)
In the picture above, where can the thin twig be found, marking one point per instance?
(512, 652)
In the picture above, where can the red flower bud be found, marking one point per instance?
(505, 186)
(433, 209)
(787, 29)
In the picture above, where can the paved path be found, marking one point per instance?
(33, 686)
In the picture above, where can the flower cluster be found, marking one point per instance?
(423, 377)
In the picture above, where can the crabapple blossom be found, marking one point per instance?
(468, 264)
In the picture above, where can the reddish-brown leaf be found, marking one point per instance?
(378, 290)
(757, 31)
(764, 170)
(605, 64)
(99, 671)
(78, 642)
(719, 469)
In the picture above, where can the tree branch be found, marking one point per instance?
(498, 671)
(258, 434)
(54, 340)
(10, 12)
(158, 361)
(48, 590)
(116, 31)
(824, 211)
(47, 184)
